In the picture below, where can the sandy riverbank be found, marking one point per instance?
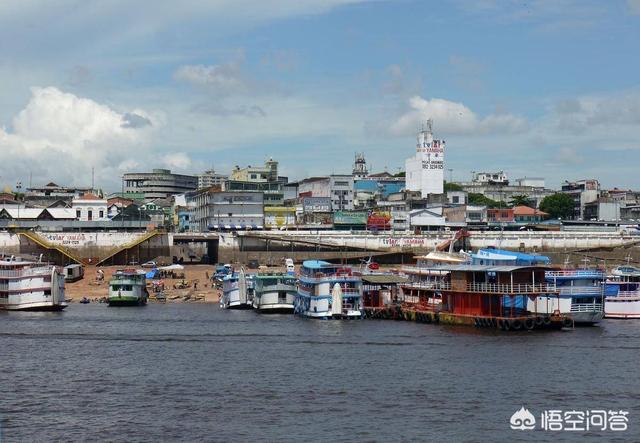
(94, 290)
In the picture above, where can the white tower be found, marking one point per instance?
(425, 171)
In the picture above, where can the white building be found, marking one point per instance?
(90, 207)
(211, 178)
(425, 171)
(339, 188)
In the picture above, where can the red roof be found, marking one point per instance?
(526, 210)
(89, 196)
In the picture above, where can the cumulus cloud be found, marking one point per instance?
(222, 79)
(454, 118)
(61, 136)
(177, 160)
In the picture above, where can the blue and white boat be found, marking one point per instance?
(237, 291)
(327, 291)
(623, 293)
(581, 295)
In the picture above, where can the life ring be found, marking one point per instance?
(539, 321)
(546, 321)
(428, 318)
(529, 323)
(516, 325)
(505, 325)
(567, 322)
(476, 322)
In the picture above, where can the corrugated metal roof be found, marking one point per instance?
(487, 268)
(383, 278)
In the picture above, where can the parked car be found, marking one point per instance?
(150, 264)
(253, 264)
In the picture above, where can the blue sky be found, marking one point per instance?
(536, 88)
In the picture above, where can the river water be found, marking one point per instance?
(193, 372)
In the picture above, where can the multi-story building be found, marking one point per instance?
(160, 183)
(266, 173)
(339, 188)
(210, 209)
(273, 191)
(425, 170)
(211, 178)
(51, 193)
(496, 187)
(582, 192)
(491, 178)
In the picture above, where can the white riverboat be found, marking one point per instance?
(327, 291)
(623, 293)
(580, 295)
(237, 291)
(128, 287)
(30, 286)
(274, 293)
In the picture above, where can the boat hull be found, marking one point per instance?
(622, 307)
(43, 307)
(119, 302)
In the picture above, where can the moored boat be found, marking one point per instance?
(274, 293)
(127, 287)
(31, 286)
(622, 293)
(237, 291)
(580, 295)
(327, 291)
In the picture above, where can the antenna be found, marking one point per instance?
(92, 178)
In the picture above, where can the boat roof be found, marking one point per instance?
(502, 254)
(318, 264)
(384, 278)
(490, 268)
(442, 257)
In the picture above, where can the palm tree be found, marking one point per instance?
(519, 200)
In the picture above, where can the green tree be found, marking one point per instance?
(558, 205)
(481, 200)
(400, 174)
(520, 200)
(448, 187)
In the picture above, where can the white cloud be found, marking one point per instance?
(222, 79)
(177, 160)
(454, 118)
(59, 136)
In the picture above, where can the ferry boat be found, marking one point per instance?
(622, 299)
(426, 274)
(237, 291)
(487, 296)
(581, 295)
(30, 286)
(128, 287)
(328, 291)
(274, 293)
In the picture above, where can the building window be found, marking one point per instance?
(101, 214)
(78, 213)
(89, 214)
(456, 199)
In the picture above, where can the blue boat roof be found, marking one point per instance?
(316, 264)
(520, 256)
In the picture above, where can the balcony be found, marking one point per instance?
(517, 288)
(587, 307)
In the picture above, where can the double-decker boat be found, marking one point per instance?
(488, 296)
(581, 295)
(30, 286)
(237, 291)
(274, 293)
(622, 299)
(327, 291)
(128, 287)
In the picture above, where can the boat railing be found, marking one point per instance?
(25, 272)
(350, 291)
(517, 288)
(596, 273)
(429, 285)
(586, 307)
(581, 290)
(630, 294)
